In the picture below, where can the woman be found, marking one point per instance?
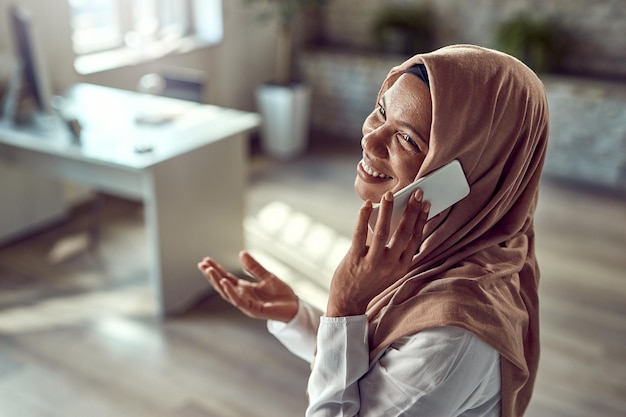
(437, 317)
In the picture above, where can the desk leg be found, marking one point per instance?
(194, 208)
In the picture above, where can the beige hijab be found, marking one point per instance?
(477, 269)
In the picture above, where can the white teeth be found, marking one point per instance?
(371, 172)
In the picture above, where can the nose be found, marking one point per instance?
(375, 142)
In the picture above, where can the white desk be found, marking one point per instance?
(192, 183)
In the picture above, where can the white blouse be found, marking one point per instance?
(444, 371)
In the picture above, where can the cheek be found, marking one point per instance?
(408, 169)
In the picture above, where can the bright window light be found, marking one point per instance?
(140, 29)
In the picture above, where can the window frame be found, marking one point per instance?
(202, 26)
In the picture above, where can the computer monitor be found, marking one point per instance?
(30, 78)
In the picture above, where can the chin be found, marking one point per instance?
(357, 189)
(365, 193)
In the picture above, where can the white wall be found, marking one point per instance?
(241, 61)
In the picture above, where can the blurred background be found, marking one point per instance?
(78, 331)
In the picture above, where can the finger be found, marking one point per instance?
(217, 281)
(203, 266)
(215, 273)
(253, 267)
(211, 263)
(381, 230)
(413, 245)
(404, 233)
(359, 238)
(240, 299)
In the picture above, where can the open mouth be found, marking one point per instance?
(371, 172)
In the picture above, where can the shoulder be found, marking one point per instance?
(441, 349)
(445, 356)
(447, 338)
(446, 370)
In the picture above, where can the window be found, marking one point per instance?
(110, 33)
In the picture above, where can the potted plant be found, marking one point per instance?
(284, 102)
(536, 42)
(404, 29)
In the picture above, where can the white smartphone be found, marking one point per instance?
(442, 188)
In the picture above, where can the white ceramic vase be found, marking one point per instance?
(285, 119)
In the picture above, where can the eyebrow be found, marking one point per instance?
(408, 126)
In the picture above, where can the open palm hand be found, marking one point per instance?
(266, 298)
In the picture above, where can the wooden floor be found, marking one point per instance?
(78, 335)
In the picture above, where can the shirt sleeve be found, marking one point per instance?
(300, 334)
(440, 371)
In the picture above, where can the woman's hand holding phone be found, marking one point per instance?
(366, 270)
(443, 188)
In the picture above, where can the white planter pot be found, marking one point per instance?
(285, 119)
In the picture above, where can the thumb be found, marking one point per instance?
(253, 267)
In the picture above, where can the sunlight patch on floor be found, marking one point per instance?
(138, 301)
(69, 247)
(297, 248)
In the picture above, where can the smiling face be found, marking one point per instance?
(395, 139)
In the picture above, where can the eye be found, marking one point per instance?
(409, 142)
(381, 110)
(408, 139)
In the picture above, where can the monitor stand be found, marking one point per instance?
(44, 125)
(44, 122)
